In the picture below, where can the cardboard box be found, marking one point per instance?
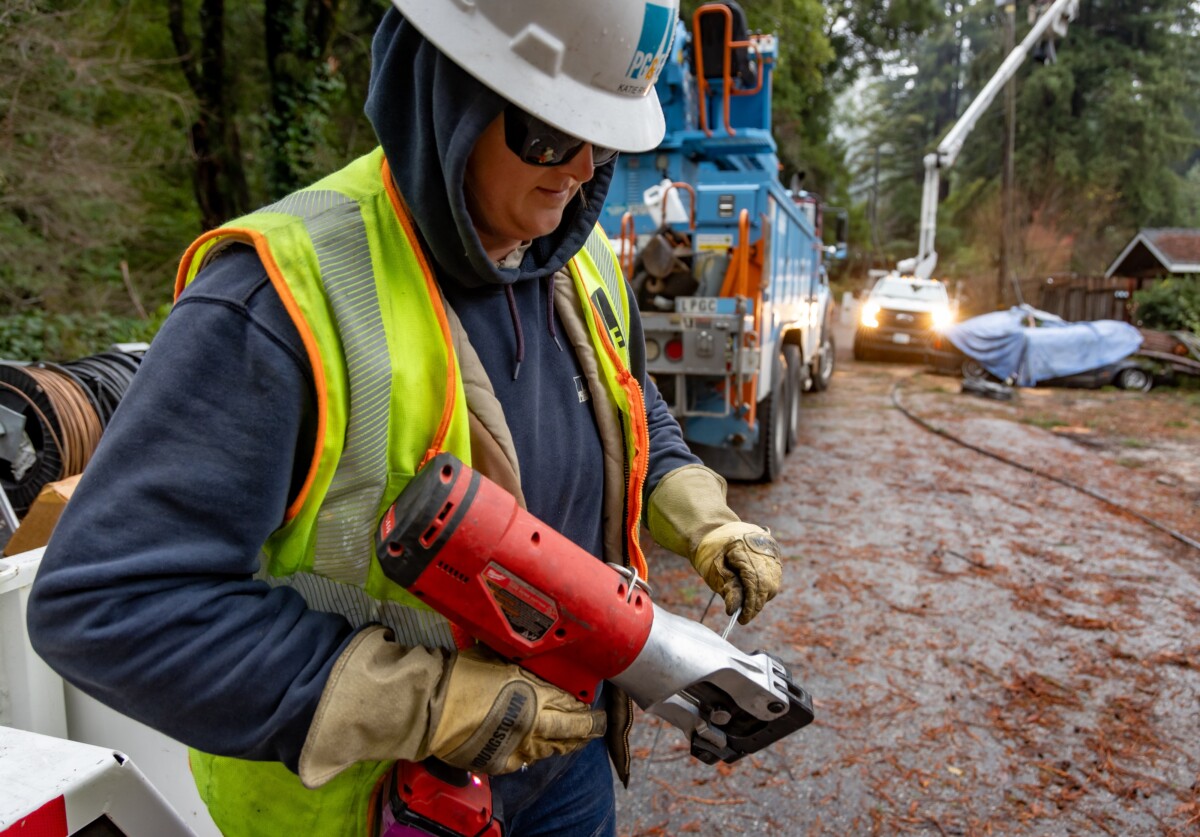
(42, 516)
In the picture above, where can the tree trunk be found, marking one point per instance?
(218, 178)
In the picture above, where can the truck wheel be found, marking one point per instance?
(773, 419)
(860, 350)
(795, 390)
(820, 381)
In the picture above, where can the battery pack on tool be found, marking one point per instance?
(433, 799)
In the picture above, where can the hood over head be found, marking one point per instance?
(427, 113)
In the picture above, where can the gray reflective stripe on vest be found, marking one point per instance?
(346, 523)
(345, 527)
(411, 626)
(602, 256)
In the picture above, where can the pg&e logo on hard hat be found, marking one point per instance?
(653, 46)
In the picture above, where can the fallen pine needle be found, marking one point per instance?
(702, 800)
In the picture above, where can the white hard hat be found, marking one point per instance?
(584, 66)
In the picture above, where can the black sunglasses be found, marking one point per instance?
(540, 144)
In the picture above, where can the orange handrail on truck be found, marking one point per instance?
(727, 88)
(628, 243)
(679, 184)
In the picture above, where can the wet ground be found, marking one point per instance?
(990, 652)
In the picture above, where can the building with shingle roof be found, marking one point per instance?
(1156, 253)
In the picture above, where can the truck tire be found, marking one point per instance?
(824, 370)
(795, 390)
(772, 417)
(860, 350)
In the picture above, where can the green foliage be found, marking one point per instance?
(298, 124)
(1106, 137)
(1136, 74)
(96, 165)
(305, 83)
(80, 191)
(1170, 305)
(37, 335)
(865, 33)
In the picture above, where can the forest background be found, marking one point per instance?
(127, 127)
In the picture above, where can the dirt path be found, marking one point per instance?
(990, 652)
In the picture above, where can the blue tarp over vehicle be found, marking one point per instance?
(1025, 345)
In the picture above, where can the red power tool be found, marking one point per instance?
(464, 546)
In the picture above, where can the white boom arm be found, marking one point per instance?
(1058, 15)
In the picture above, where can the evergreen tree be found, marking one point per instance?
(1106, 138)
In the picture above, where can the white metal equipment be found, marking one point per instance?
(1055, 18)
(54, 788)
(50, 782)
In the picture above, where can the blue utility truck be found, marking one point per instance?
(727, 264)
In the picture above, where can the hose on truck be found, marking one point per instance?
(1096, 495)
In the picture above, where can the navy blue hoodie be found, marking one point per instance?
(146, 597)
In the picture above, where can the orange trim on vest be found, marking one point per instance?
(259, 241)
(435, 299)
(641, 443)
(462, 639)
(639, 468)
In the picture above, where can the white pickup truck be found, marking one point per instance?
(900, 316)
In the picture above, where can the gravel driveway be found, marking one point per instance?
(990, 652)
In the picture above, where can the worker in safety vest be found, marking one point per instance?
(214, 575)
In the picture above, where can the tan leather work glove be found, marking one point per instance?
(497, 717)
(386, 702)
(687, 514)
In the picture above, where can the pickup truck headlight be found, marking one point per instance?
(943, 318)
(870, 315)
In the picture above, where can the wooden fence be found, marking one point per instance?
(1080, 298)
